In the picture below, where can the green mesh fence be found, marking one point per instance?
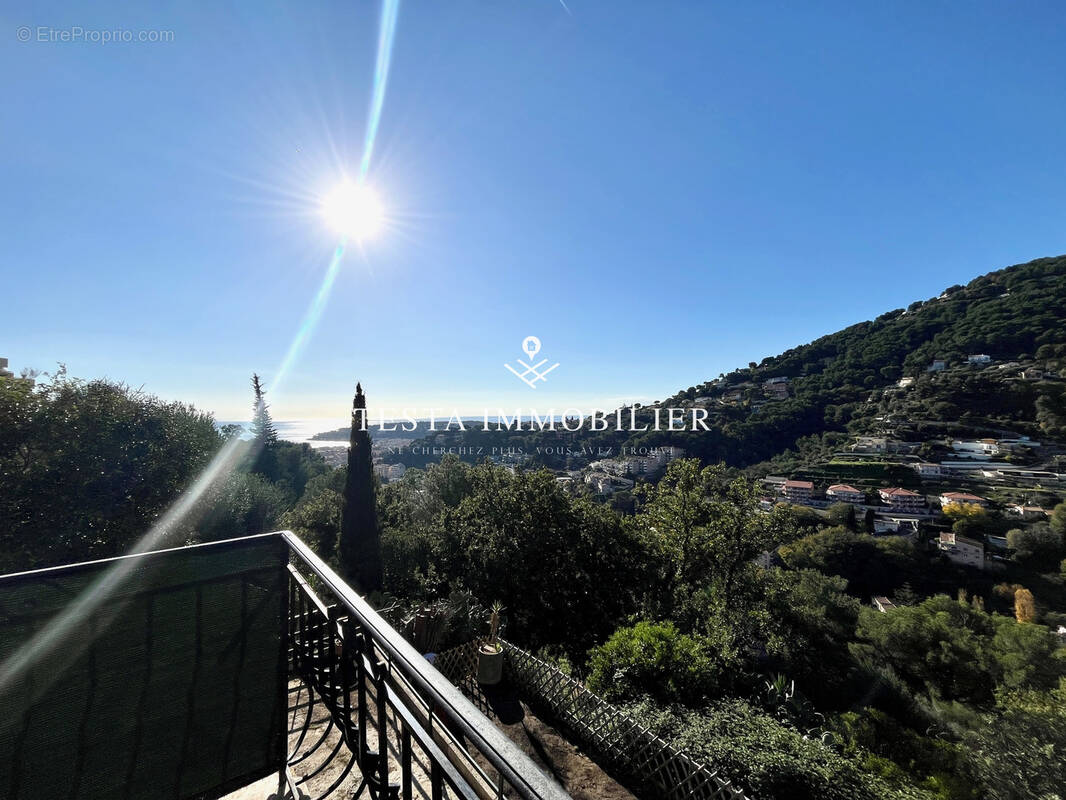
(173, 688)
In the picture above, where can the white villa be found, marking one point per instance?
(962, 550)
(962, 498)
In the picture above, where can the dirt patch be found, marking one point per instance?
(582, 777)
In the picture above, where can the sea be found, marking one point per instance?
(300, 430)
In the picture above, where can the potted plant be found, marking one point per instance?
(490, 654)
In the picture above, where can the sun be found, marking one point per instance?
(353, 210)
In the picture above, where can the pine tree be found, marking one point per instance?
(264, 456)
(262, 425)
(360, 542)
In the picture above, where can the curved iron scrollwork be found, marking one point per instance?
(369, 716)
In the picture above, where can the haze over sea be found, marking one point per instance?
(299, 430)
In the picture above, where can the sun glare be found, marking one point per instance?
(353, 210)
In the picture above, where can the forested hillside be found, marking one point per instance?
(1017, 314)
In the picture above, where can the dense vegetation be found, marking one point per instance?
(744, 635)
(87, 468)
(781, 677)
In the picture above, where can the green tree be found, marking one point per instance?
(360, 542)
(811, 619)
(868, 520)
(1058, 519)
(263, 453)
(871, 566)
(1038, 546)
(316, 517)
(1019, 752)
(939, 646)
(564, 567)
(240, 504)
(87, 467)
(953, 651)
(843, 514)
(707, 529)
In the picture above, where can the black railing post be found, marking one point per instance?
(285, 588)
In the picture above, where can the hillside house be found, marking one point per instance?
(926, 469)
(389, 472)
(1027, 512)
(980, 448)
(900, 499)
(842, 493)
(797, 491)
(963, 550)
(979, 358)
(604, 483)
(962, 498)
(869, 444)
(776, 388)
(905, 382)
(883, 604)
(938, 365)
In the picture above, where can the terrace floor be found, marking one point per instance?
(582, 777)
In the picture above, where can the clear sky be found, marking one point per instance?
(659, 191)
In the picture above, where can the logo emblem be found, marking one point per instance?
(531, 373)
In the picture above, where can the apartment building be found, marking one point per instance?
(899, 499)
(842, 493)
(797, 491)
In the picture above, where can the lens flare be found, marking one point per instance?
(390, 10)
(354, 212)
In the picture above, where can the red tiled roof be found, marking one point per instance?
(843, 487)
(799, 485)
(962, 496)
(899, 492)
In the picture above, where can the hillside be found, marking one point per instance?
(845, 383)
(837, 383)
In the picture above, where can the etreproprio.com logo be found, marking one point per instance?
(76, 34)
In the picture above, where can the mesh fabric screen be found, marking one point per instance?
(173, 688)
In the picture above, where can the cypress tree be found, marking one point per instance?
(868, 521)
(360, 542)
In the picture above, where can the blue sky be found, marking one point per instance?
(659, 191)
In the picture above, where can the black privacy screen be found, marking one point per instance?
(172, 687)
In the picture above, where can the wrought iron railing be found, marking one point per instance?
(404, 725)
(167, 674)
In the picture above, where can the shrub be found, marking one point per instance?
(653, 659)
(769, 759)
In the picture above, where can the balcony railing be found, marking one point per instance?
(191, 672)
